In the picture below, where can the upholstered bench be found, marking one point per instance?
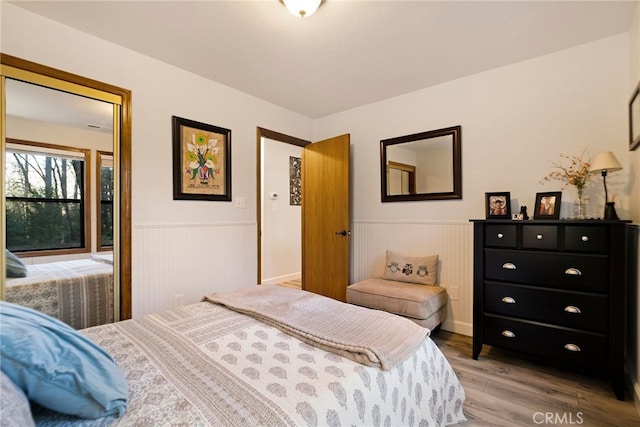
(415, 295)
(424, 304)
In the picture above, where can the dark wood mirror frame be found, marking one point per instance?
(456, 163)
(125, 163)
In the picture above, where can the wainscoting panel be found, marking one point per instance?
(177, 264)
(452, 241)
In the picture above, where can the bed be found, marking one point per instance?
(216, 363)
(78, 292)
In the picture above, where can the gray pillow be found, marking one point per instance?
(15, 266)
(13, 405)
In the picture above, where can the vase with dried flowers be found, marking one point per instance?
(575, 173)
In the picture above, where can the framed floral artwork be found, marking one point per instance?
(498, 205)
(201, 161)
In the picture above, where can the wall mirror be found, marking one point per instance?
(422, 166)
(66, 151)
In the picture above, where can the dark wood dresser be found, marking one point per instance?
(554, 290)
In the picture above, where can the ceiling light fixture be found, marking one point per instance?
(302, 8)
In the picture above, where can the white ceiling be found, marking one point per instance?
(350, 53)
(29, 101)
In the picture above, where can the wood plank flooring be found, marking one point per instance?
(504, 389)
(295, 284)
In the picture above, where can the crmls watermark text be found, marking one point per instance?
(560, 418)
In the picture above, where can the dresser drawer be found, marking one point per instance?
(500, 236)
(553, 270)
(540, 237)
(574, 347)
(586, 239)
(564, 308)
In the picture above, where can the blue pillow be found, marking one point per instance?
(15, 266)
(58, 367)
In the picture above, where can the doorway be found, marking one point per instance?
(278, 209)
(325, 212)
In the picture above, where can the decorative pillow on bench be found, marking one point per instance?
(422, 270)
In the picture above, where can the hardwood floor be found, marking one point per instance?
(295, 284)
(504, 389)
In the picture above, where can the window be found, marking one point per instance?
(45, 197)
(105, 200)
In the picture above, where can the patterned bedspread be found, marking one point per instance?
(203, 364)
(79, 292)
(383, 340)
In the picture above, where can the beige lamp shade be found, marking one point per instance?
(605, 161)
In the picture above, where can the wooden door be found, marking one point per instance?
(325, 217)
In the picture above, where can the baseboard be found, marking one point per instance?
(458, 327)
(280, 279)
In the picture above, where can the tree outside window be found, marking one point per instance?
(45, 199)
(105, 207)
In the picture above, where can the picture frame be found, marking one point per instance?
(201, 161)
(498, 205)
(548, 205)
(634, 119)
(295, 181)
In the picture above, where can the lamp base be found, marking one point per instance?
(610, 211)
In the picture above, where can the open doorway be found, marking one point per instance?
(279, 211)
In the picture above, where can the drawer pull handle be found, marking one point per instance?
(509, 334)
(539, 236)
(572, 347)
(585, 238)
(500, 235)
(572, 309)
(508, 266)
(573, 272)
(508, 300)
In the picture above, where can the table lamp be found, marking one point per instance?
(606, 162)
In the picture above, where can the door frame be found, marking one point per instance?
(84, 85)
(275, 136)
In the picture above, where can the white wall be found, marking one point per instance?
(281, 222)
(634, 80)
(515, 121)
(181, 249)
(434, 173)
(633, 323)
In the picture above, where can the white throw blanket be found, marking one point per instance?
(370, 337)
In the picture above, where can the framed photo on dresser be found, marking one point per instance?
(498, 205)
(547, 205)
